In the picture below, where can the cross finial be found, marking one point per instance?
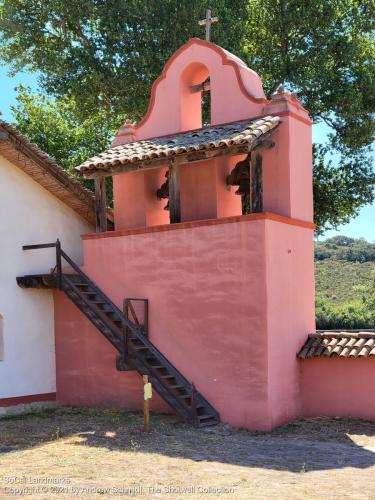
(207, 22)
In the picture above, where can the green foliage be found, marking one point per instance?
(369, 297)
(351, 316)
(344, 248)
(337, 280)
(104, 56)
(107, 54)
(55, 127)
(324, 50)
(340, 190)
(345, 283)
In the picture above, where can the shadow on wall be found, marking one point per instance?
(305, 445)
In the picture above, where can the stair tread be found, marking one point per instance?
(206, 416)
(208, 424)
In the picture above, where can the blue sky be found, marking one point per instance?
(361, 226)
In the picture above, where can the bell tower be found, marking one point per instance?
(233, 291)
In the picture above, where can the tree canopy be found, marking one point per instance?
(100, 59)
(55, 127)
(345, 248)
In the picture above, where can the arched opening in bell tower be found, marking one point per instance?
(195, 106)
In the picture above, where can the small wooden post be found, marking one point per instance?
(256, 183)
(100, 204)
(174, 194)
(58, 264)
(145, 319)
(146, 406)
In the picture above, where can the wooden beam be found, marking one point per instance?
(201, 87)
(100, 205)
(256, 183)
(174, 194)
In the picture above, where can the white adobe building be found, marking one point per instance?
(39, 202)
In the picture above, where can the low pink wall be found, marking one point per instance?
(337, 387)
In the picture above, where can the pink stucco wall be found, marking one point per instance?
(290, 314)
(86, 372)
(136, 202)
(209, 287)
(287, 167)
(338, 387)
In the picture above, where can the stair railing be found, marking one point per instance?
(127, 324)
(130, 313)
(60, 255)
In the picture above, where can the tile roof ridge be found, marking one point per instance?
(342, 334)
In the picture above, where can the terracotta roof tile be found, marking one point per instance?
(339, 344)
(170, 146)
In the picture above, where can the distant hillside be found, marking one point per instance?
(335, 279)
(342, 264)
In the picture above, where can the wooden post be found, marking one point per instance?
(145, 319)
(174, 194)
(100, 205)
(256, 183)
(146, 407)
(58, 264)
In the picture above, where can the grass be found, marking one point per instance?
(104, 454)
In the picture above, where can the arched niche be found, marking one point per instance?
(190, 100)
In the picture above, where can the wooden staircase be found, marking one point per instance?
(136, 350)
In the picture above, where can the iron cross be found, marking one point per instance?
(207, 22)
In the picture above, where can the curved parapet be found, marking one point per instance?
(236, 91)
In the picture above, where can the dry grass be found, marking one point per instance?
(72, 453)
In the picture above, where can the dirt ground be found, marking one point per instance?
(69, 453)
